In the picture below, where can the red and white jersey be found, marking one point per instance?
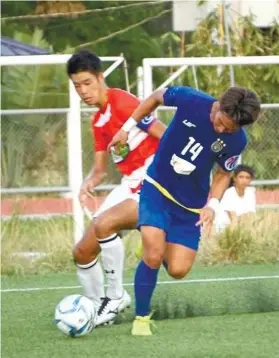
(110, 118)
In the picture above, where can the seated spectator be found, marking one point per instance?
(239, 199)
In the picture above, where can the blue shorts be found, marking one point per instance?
(158, 211)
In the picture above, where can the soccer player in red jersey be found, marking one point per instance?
(120, 209)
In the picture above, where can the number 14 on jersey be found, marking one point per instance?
(193, 148)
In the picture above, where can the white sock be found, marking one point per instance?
(91, 278)
(112, 256)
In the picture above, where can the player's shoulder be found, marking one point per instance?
(251, 190)
(115, 94)
(189, 93)
(229, 196)
(230, 192)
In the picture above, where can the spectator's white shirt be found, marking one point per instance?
(240, 205)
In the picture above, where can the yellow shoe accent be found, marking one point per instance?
(141, 326)
(139, 250)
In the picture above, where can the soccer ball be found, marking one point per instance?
(75, 316)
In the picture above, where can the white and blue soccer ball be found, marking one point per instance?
(75, 316)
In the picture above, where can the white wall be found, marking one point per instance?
(187, 14)
(265, 11)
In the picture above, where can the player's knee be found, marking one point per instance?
(153, 258)
(178, 272)
(83, 255)
(78, 254)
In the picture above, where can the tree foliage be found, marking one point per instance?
(69, 32)
(33, 146)
(46, 86)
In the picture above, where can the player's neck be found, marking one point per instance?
(104, 97)
(240, 191)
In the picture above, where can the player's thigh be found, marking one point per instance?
(153, 223)
(122, 216)
(116, 196)
(182, 244)
(180, 259)
(88, 247)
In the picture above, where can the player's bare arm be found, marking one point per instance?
(157, 129)
(220, 183)
(95, 177)
(145, 108)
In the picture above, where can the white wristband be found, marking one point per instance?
(214, 204)
(129, 124)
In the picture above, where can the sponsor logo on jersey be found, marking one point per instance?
(181, 166)
(218, 145)
(231, 163)
(188, 124)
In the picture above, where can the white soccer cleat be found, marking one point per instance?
(126, 301)
(109, 308)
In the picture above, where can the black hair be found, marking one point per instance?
(244, 168)
(84, 60)
(240, 104)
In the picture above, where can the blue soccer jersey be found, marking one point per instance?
(190, 147)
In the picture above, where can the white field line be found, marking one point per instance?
(203, 280)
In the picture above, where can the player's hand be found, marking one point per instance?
(86, 190)
(207, 215)
(121, 138)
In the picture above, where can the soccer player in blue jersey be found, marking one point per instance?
(176, 198)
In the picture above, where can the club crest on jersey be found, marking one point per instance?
(231, 163)
(218, 145)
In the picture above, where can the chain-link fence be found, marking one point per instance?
(34, 148)
(263, 146)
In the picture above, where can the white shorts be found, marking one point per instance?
(124, 190)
